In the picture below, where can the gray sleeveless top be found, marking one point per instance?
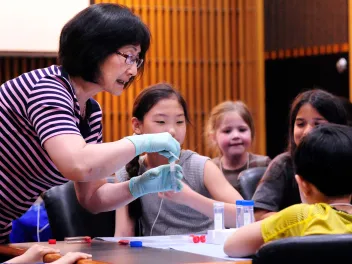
(175, 219)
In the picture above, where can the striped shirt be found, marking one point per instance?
(34, 107)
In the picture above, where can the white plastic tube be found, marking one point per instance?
(172, 173)
(173, 179)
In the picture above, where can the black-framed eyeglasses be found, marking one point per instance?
(130, 59)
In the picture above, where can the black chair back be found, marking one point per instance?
(306, 250)
(248, 180)
(68, 218)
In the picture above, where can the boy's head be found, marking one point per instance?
(323, 162)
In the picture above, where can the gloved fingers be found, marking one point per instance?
(152, 173)
(168, 155)
(173, 145)
(179, 186)
(179, 174)
(166, 168)
(178, 171)
(158, 171)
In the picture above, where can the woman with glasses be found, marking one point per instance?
(51, 128)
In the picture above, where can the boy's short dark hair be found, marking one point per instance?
(97, 32)
(324, 158)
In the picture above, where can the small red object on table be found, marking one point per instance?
(123, 242)
(52, 241)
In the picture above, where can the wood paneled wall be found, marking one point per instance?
(11, 67)
(211, 50)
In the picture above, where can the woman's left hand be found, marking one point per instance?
(178, 197)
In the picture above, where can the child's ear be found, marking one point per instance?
(137, 126)
(304, 186)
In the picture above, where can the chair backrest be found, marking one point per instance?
(248, 181)
(308, 249)
(68, 218)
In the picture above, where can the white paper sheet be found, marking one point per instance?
(164, 242)
(177, 243)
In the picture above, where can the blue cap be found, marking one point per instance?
(239, 202)
(248, 203)
(136, 244)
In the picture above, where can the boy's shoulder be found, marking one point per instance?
(303, 210)
(292, 221)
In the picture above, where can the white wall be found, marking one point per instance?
(35, 25)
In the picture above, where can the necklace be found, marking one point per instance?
(247, 163)
(346, 204)
(340, 204)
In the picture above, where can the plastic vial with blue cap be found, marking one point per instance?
(218, 215)
(244, 212)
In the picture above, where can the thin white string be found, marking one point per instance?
(156, 218)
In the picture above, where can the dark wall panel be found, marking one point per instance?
(285, 79)
(304, 23)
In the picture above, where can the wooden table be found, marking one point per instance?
(114, 253)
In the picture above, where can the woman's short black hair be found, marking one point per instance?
(97, 32)
(323, 158)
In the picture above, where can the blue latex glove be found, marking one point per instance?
(163, 143)
(156, 180)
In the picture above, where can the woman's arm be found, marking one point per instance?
(245, 241)
(219, 188)
(79, 161)
(124, 224)
(99, 196)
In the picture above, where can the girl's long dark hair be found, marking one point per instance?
(327, 105)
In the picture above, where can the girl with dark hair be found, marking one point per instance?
(51, 128)
(278, 188)
(160, 108)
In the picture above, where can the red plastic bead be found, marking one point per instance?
(196, 239)
(52, 241)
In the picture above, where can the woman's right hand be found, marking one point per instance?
(162, 143)
(156, 180)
